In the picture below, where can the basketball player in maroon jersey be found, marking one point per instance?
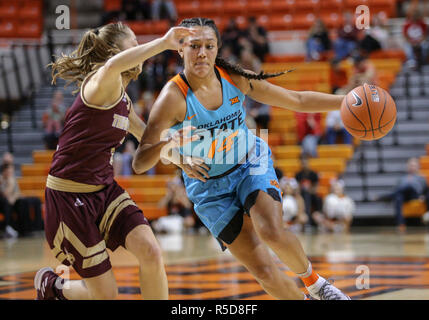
(86, 210)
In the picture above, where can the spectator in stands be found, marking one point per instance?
(415, 32)
(318, 41)
(335, 129)
(5, 224)
(164, 9)
(309, 132)
(8, 158)
(259, 112)
(53, 119)
(179, 209)
(24, 222)
(230, 37)
(308, 181)
(135, 10)
(347, 38)
(338, 76)
(257, 35)
(363, 72)
(227, 53)
(338, 209)
(378, 30)
(410, 186)
(294, 216)
(5, 207)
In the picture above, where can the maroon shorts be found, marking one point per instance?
(80, 226)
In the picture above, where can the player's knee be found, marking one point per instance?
(270, 232)
(150, 254)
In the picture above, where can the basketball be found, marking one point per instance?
(368, 112)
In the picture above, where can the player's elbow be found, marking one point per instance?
(137, 164)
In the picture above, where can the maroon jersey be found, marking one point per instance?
(88, 141)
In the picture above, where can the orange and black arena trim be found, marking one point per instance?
(226, 279)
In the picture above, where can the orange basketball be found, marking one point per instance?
(368, 112)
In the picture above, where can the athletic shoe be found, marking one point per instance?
(425, 218)
(324, 290)
(44, 282)
(11, 232)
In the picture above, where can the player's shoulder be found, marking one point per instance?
(241, 82)
(171, 102)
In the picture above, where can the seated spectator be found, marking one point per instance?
(318, 41)
(308, 181)
(179, 209)
(164, 9)
(338, 209)
(135, 10)
(5, 224)
(294, 216)
(309, 132)
(227, 53)
(122, 160)
(409, 187)
(23, 221)
(257, 35)
(415, 32)
(8, 158)
(53, 120)
(259, 112)
(378, 31)
(338, 76)
(347, 39)
(335, 129)
(363, 72)
(231, 35)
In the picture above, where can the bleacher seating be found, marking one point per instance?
(283, 14)
(21, 19)
(417, 207)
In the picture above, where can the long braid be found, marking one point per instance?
(229, 67)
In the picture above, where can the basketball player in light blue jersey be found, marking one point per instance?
(228, 171)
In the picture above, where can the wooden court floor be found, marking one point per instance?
(376, 264)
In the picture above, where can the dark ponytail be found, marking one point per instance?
(220, 62)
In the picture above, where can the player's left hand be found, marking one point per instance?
(175, 36)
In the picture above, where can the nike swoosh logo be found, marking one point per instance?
(358, 102)
(189, 118)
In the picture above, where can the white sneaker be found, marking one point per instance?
(11, 232)
(425, 218)
(324, 290)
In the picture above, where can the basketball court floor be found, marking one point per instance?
(375, 264)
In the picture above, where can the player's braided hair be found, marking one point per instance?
(95, 48)
(233, 68)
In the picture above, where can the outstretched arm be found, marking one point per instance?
(109, 78)
(300, 101)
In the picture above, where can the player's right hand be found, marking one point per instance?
(182, 137)
(195, 168)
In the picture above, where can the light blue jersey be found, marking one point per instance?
(240, 162)
(225, 138)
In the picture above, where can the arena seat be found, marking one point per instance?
(39, 169)
(414, 208)
(143, 181)
(112, 5)
(151, 211)
(333, 165)
(43, 156)
(424, 163)
(343, 151)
